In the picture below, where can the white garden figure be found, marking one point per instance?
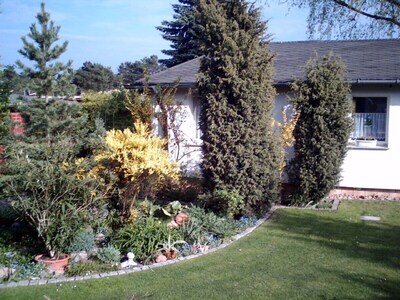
(128, 260)
(131, 262)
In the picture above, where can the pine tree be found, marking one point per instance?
(95, 77)
(322, 130)
(235, 86)
(48, 78)
(182, 34)
(5, 92)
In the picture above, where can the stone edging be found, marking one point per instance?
(335, 207)
(138, 269)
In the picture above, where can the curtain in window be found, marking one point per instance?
(369, 125)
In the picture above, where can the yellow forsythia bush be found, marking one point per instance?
(286, 134)
(140, 161)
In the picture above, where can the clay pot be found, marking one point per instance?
(181, 218)
(170, 254)
(53, 263)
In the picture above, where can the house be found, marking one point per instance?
(373, 68)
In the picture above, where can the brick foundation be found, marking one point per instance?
(362, 193)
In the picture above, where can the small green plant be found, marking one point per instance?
(192, 230)
(143, 237)
(172, 208)
(109, 255)
(169, 245)
(213, 224)
(83, 241)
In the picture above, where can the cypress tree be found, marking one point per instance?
(235, 87)
(182, 34)
(47, 77)
(322, 130)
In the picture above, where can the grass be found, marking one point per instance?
(299, 254)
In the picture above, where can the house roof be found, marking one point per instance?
(366, 61)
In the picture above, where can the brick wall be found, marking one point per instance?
(18, 128)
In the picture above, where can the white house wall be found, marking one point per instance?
(185, 142)
(376, 168)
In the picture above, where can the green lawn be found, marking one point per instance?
(299, 254)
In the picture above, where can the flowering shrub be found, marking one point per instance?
(286, 137)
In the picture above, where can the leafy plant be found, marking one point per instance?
(172, 208)
(192, 230)
(108, 255)
(143, 237)
(211, 223)
(169, 245)
(83, 241)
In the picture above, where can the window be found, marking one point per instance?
(369, 115)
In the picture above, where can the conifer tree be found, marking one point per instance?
(95, 77)
(236, 92)
(47, 77)
(182, 34)
(5, 92)
(322, 130)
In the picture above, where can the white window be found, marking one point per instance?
(369, 116)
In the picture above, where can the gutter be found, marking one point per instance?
(372, 81)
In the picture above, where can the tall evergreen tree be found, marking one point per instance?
(237, 95)
(322, 130)
(95, 77)
(182, 34)
(48, 78)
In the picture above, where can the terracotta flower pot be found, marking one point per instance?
(170, 254)
(53, 263)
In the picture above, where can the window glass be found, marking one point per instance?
(369, 115)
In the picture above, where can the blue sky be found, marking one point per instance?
(114, 31)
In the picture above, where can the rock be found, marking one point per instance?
(181, 218)
(172, 225)
(59, 272)
(79, 257)
(99, 237)
(161, 258)
(4, 272)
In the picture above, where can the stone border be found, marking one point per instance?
(335, 206)
(142, 268)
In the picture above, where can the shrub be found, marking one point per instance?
(229, 203)
(108, 255)
(140, 160)
(144, 237)
(322, 130)
(83, 241)
(109, 107)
